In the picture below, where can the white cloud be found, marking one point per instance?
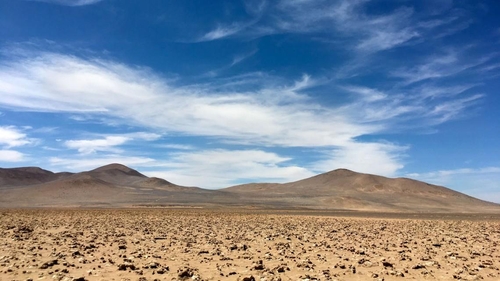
(373, 158)
(11, 136)
(177, 146)
(367, 94)
(276, 113)
(240, 58)
(11, 156)
(346, 19)
(334, 18)
(221, 32)
(445, 174)
(447, 111)
(91, 146)
(78, 164)
(108, 143)
(269, 116)
(438, 66)
(70, 2)
(223, 168)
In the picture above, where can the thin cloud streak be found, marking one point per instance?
(344, 19)
(83, 163)
(480, 182)
(70, 2)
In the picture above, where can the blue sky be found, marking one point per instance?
(217, 93)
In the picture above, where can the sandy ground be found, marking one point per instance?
(213, 245)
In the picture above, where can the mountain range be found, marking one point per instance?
(118, 186)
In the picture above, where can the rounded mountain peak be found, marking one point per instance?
(117, 167)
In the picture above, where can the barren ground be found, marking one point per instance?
(162, 244)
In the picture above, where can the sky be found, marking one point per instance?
(219, 93)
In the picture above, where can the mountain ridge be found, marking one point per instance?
(116, 185)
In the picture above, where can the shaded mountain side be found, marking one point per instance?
(25, 176)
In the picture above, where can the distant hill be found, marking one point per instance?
(25, 176)
(348, 190)
(116, 185)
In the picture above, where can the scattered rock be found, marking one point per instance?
(185, 272)
(48, 264)
(125, 266)
(387, 264)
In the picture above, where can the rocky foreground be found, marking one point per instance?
(211, 245)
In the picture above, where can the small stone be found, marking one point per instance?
(387, 264)
(185, 272)
(259, 265)
(418, 266)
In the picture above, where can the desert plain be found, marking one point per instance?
(211, 244)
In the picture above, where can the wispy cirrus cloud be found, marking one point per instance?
(70, 2)
(345, 21)
(221, 32)
(447, 64)
(437, 175)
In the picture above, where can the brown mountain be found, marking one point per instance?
(116, 185)
(348, 190)
(25, 176)
(113, 185)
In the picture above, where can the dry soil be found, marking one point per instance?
(164, 244)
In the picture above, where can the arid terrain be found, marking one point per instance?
(166, 244)
(118, 186)
(114, 223)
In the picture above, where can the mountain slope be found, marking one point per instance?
(116, 185)
(25, 176)
(344, 189)
(113, 185)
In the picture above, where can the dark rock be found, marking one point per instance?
(185, 272)
(259, 265)
(125, 266)
(418, 266)
(387, 264)
(48, 264)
